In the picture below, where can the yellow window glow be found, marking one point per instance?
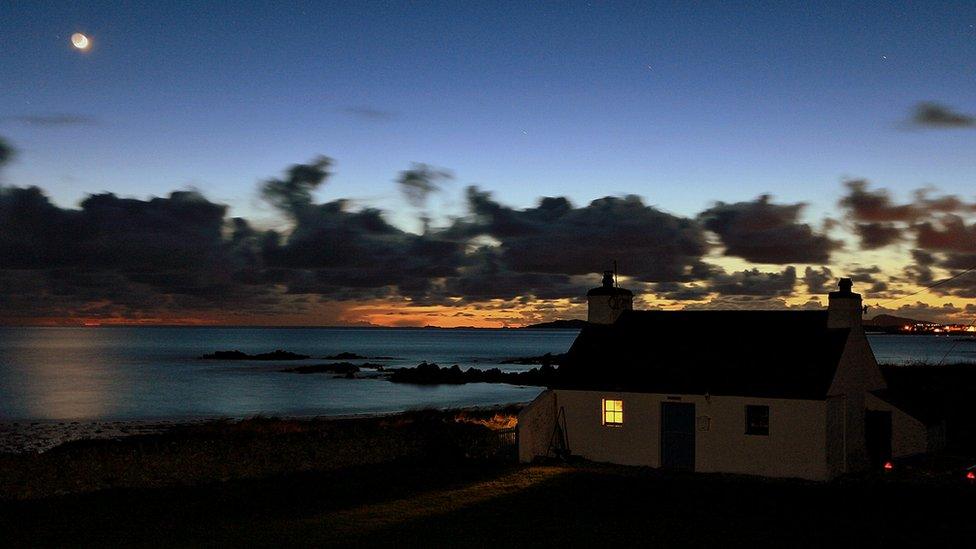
(613, 412)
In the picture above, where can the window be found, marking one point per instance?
(613, 412)
(757, 420)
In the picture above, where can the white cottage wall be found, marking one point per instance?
(909, 436)
(795, 446)
(536, 423)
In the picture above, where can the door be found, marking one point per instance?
(877, 431)
(678, 436)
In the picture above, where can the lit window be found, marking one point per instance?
(613, 412)
(757, 420)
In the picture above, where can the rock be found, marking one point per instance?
(277, 354)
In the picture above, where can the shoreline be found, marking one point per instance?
(19, 437)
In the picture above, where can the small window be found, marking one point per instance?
(613, 412)
(757, 420)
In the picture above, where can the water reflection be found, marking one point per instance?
(62, 375)
(152, 373)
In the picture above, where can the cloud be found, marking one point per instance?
(6, 152)
(753, 282)
(879, 221)
(370, 113)
(293, 193)
(556, 237)
(54, 120)
(681, 292)
(139, 256)
(935, 115)
(817, 280)
(181, 254)
(949, 234)
(878, 235)
(420, 181)
(864, 204)
(763, 232)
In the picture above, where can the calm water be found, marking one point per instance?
(152, 373)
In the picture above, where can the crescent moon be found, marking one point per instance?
(80, 41)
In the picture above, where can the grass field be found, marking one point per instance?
(485, 504)
(442, 478)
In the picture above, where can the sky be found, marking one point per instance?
(684, 104)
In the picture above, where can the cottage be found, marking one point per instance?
(770, 393)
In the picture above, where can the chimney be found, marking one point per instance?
(844, 308)
(606, 302)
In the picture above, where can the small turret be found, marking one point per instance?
(606, 302)
(844, 307)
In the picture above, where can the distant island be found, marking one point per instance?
(571, 324)
(890, 324)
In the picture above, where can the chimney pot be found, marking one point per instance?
(844, 306)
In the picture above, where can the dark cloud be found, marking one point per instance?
(753, 282)
(370, 113)
(949, 234)
(681, 292)
(864, 275)
(167, 256)
(864, 204)
(140, 256)
(878, 235)
(420, 181)
(293, 193)
(818, 281)
(935, 115)
(487, 277)
(54, 120)
(869, 275)
(763, 232)
(556, 237)
(880, 221)
(6, 152)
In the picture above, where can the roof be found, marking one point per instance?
(775, 354)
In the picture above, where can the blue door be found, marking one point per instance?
(678, 436)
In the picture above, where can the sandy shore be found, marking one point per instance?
(20, 437)
(40, 436)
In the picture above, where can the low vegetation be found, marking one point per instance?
(253, 448)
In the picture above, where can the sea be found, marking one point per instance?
(154, 373)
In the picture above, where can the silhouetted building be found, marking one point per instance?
(607, 301)
(771, 393)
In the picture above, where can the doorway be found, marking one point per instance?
(678, 436)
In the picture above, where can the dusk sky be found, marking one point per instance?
(856, 119)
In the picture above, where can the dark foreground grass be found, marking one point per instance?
(477, 503)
